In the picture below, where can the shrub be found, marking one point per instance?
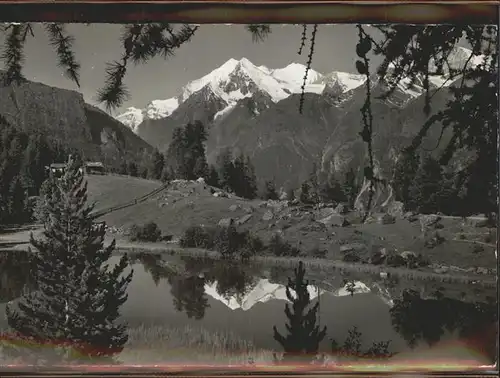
(488, 238)
(224, 239)
(395, 260)
(150, 232)
(422, 261)
(351, 257)
(280, 247)
(198, 237)
(228, 240)
(434, 241)
(167, 238)
(477, 248)
(253, 243)
(318, 253)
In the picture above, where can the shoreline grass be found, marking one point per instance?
(290, 262)
(324, 265)
(163, 344)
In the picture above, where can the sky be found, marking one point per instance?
(211, 46)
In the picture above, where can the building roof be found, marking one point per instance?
(94, 164)
(58, 165)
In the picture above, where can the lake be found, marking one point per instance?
(192, 309)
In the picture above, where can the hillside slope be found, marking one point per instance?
(63, 116)
(109, 190)
(187, 203)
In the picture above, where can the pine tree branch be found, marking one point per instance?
(259, 32)
(303, 39)
(13, 53)
(308, 68)
(140, 43)
(63, 45)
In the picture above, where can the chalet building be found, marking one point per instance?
(89, 168)
(94, 168)
(56, 169)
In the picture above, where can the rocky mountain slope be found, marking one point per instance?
(63, 116)
(254, 110)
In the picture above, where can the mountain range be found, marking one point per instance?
(255, 110)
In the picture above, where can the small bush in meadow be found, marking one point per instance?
(395, 260)
(318, 253)
(198, 237)
(351, 257)
(226, 240)
(477, 248)
(150, 232)
(279, 247)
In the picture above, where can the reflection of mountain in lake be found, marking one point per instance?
(264, 291)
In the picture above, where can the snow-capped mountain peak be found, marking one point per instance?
(346, 81)
(132, 117)
(235, 80)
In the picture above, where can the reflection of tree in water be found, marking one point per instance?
(189, 295)
(152, 265)
(234, 279)
(15, 275)
(428, 319)
(187, 287)
(304, 335)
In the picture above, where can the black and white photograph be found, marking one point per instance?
(262, 195)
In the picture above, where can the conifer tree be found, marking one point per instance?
(314, 188)
(226, 169)
(426, 188)
(167, 174)
(270, 191)
(350, 188)
(404, 177)
(251, 179)
(213, 177)
(186, 153)
(304, 336)
(123, 170)
(174, 155)
(78, 297)
(331, 190)
(238, 178)
(17, 202)
(245, 180)
(305, 192)
(132, 169)
(158, 165)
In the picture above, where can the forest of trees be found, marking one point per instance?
(186, 159)
(425, 186)
(330, 187)
(23, 158)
